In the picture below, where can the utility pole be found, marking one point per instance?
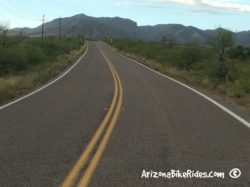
(60, 28)
(43, 25)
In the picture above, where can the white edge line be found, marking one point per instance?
(240, 119)
(47, 85)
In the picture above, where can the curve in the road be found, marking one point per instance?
(112, 117)
(237, 117)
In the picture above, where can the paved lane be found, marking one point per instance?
(42, 136)
(165, 126)
(154, 124)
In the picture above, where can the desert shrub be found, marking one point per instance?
(13, 59)
(189, 55)
(217, 67)
(239, 52)
(19, 53)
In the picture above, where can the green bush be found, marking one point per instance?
(18, 53)
(239, 52)
(201, 63)
(13, 59)
(188, 56)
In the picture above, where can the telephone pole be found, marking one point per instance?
(43, 26)
(60, 28)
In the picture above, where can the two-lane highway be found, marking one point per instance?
(108, 120)
(44, 135)
(112, 116)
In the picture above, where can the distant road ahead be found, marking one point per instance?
(108, 120)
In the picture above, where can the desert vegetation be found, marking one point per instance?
(27, 62)
(218, 65)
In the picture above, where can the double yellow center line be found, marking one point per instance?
(109, 120)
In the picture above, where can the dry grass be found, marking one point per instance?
(204, 83)
(12, 86)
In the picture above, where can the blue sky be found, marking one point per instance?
(204, 14)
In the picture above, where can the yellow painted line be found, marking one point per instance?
(70, 179)
(94, 162)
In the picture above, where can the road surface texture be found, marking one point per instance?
(59, 135)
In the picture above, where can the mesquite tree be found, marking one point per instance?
(221, 42)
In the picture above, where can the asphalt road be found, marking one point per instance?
(108, 120)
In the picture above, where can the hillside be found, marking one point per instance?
(97, 28)
(87, 26)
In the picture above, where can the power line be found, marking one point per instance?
(15, 11)
(18, 11)
(3, 18)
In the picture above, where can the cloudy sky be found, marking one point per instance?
(204, 14)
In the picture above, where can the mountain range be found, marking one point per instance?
(116, 27)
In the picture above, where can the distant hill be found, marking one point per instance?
(243, 38)
(87, 26)
(97, 28)
(181, 33)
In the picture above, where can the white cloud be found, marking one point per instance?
(218, 4)
(208, 5)
(228, 5)
(146, 3)
(189, 2)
